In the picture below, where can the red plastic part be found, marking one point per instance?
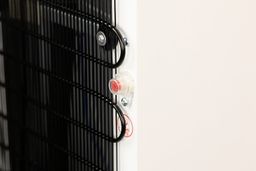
(115, 86)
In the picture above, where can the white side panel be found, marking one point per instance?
(127, 23)
(197, 85)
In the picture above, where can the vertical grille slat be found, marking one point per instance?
(56, 112)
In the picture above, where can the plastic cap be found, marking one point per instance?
(115, 86)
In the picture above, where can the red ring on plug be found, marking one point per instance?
(115, 86)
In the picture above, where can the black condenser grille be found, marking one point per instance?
(56, 112)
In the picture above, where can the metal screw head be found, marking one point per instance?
(125, 41)
(124, 101)
(101, 38)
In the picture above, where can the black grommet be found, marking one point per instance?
(111, 38)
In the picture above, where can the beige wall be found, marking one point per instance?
(197, 85)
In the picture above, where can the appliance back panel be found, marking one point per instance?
(60, 112)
